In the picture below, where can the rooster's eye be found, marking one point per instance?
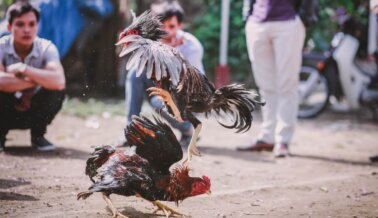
(133, 32)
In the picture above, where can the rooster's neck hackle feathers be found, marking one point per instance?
(179, 185)
(148, 25)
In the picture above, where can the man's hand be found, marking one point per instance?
(177, 42)
(375, 10)
(371, 58)
(173, 42)
(9, 83)
(17, 69)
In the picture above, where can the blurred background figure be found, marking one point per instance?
(325, 77)
(88, 53)
(85, 32)
(172, 16)
(31, 78)
(74, 27)
(373, 39)
(275, 37)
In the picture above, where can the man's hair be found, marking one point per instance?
(168, 10)
(20, 8)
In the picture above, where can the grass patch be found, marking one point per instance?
(340, 146)
(93, 107)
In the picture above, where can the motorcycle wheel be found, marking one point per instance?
(314, 92)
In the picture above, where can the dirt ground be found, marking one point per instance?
(328, 175)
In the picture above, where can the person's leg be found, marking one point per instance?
(184, 127)
(44, 107)
(260, 51)
(10, 118)
(7, 102)
(135, 92)
(288, 43)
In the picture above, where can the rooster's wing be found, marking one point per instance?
(160, 60)
(155, 142)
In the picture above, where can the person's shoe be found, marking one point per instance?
(2, 143)
(185, 140)
(374, 158)
(258, 146)
(42, 144)
(281, 150)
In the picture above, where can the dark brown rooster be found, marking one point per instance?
(181, 86)
(143, 171)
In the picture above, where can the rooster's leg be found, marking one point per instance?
(166, 210)
(167, 98)
(114, 210)
(192, 148)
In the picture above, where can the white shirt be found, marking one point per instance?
(43, 51)
(191, 49)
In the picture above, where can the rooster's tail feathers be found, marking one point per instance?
(237, 101)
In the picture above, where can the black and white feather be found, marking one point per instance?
(238, 102)
(148, 26)
(191, 91)
(159, 60)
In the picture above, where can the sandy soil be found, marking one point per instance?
(329, 174)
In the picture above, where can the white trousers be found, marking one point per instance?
(275, 50)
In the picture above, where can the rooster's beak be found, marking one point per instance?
(121, 41)
(208, 192)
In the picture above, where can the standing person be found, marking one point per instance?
(372, 44)
(31, 78)
(275, 37)
(172, 16)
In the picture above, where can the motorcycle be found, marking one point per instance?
(335, 76)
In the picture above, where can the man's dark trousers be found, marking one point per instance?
(45, 104)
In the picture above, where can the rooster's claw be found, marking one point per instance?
(166, 210)
(167, 98)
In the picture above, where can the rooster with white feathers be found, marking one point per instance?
(182, 87)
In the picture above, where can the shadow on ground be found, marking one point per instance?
(333, 160)
(248, 156)
(11, 196)
(132, 212)
(60, 152)
(7, 183)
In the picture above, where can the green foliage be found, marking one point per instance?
(207, 29)
(321, 33)
(3, 7)
(8, 2)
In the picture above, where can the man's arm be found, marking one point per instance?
(10, 83)
(50, 77)
(193, 51)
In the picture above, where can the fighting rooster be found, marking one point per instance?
(184, 90)
(143, 171)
